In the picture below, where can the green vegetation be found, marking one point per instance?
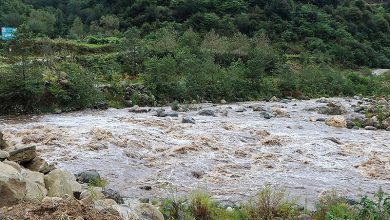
(271, 203)
(71, 55)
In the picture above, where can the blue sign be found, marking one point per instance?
(8, 33)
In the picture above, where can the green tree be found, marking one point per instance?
(77, 29)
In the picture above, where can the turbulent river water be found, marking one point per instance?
(231, 155)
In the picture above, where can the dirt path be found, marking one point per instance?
(230, 156)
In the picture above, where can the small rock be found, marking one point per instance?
(274, 99)
(3, 155)
(147, 188)
(304, 217)
(51, 201)
(188, 120)
(258, 109)
(336, 121)
(103, 204)
(89, 176)
(112, 194)
(229, 209)
(92, 194)
(388, 129)
(206, 112)
(146, 211)
(240, 109)
(370, 128)
(321, 119)
(161, 113)
(22, 154)
(223, 102)
(267, 115)
(279, 112)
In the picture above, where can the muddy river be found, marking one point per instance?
(231, 155)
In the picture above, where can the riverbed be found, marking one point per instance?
(231, 155)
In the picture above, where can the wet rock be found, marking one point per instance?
(320, 119)
(137, 109)
(12, 185)
(112, 194)
(3, 155)
(388, 129)
(39, 165)
(60, 183)
(3, 144)
(322, 100)
(188, 120)
(89, 176)
(206, 112)
(147, 188)
(370, 128)
(102, 106)
(258, 109)
(22, 154)
(240, 109)
(279, 112)
(223, 102)
(332, 109)
(274, 99)
(336, 121)
(161, 113)
(267, 115)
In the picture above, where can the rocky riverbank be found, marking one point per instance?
(229, 150)
(30, 188)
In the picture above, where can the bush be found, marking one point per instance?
(271, 203)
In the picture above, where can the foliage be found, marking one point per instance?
(271, 203)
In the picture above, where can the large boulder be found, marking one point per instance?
(3, 155)
(12, 185)
(89, 176)
(60, 182)
(39, 165)
(3, 144)
(35, 185)
(22, 154)
(336, 121)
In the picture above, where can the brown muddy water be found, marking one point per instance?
(231, 156)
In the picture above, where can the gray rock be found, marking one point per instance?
(114, 195)
(39, 165)
(332, 109)
(3, 144)
(268, 115)
(161, 113)
(3, 155)
(223, 101)
(60, 183)
(206, 112)
(240, 109)
(258, 109)
(146, 211)
(12, 185)
(304, 217)
(89, 176)
(370, 128)
(320, 119)
(22, 154)
(188, 120)
(388, 129)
